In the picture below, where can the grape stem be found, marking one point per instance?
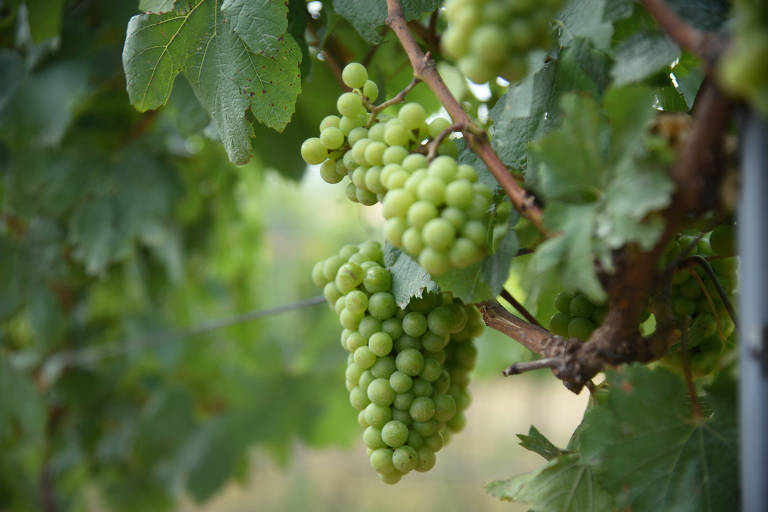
(398, 98)
(519, 307)
(704, 264)
(687, 37)
(433, 146)
(687, 372)
(424, 69)
(527, 366)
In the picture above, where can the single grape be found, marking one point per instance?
(410, 362)
(404, 458)
(313, 151)
(350, 105)
(354, 75)
(412, 115)
(394, 433)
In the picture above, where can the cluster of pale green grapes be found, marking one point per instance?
(576, 316)
(407, 369)
(436, 211)
(743, 70)
(490, 38)
(710, 325)
(361, 147)
(438, 214)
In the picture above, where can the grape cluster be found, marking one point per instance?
(743, 70)
(489, 38)
(407, 370)
(576, 316)
(360, 144)
(438, 214)
(694, 297)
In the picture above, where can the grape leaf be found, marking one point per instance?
(156, 6)
(13, 74)
(368, 15)
(706, 15)
(563, 484)
(642, 55)
(584, 18)
(485, 279)
(531, 109)
(21, 406)
(260, 23)
(227, 76)
(44, 18)
(647, 449)
(409, 279)
(537, 443)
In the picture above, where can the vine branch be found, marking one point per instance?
(424, 69)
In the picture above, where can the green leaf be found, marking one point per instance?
(368, 15)
(642, 55)
(569, 256)
(44, 18)
(483, 280)
(537, 443)
(40, 109)
(532, 108)
(91, 232)
(409, 279)
(562, 176)
(260, 23)
(13, 74)
(157, 6)
(227, 76)
(562, 485)
(584, 18)
(648, 449)
(21, 406)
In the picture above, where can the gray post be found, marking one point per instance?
(753, 328)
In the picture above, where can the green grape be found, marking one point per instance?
(390, 478)
(439, 234)
(382, 305)
(434, 262)
(371, 90)
(476, 231)
(377, 279)
(445, 408)
(558, 324)
(384, 367)
(377, 415)
(410, 362)
(722, 240)
(412, 115)
(372, 437)
(403, 400)
(580, 328)
(580, 306)
(400, 382)
(354, 75)
(414, 324)
(374, 153)
(380, 344)
(350, 105)
(434, 342)
(426, 460)
(332, 138)
(397, 203)
(394, 154)
(459, 194)
(380, 392)
(438, 126)
(313, 151)
(358, 399)
(405, 342)
(396, 133)
(394, 433)
(348, 277)
(425, 428)
(404, 458)
(431, 189)
(421, 387)
(329, 121)
(414, 162)
(490, 43)
(464, 253)
(364, 358)
(422, 409)
(381, 460)
(421, 212)
(431, 371)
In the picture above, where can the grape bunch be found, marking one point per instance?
(438, 213)
(490, 38)
(694, 297)
(359, 144)
(576, 316)
(407, 370)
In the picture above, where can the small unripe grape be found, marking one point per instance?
(445, 408)
(396, 134)
(422, 388)
(377, 415)
(459, 194)
(372, 437)
(410, 362)
(382, 305)
(366, 197)
(405, 458)
(558, 324)
(431, 189)
(371, 90)
(332, 138)
(439, 234)
(374, 152)
(434, 262)
(422, 409)
(434, 342)
(426, 460)
(377, 279)
(350, 105)
(394, 154)
(414, 162)
(364, 358)
(412, 241)
(476, 231)
(420, 213)
(405, 342)
(400, 382)
(358, 399)
(580, 306)
(313, 151)
(380, 392)
(380, 344)
(722, 240)
(432, 370)
(394, 230)
(390, 478)
(581, 328)
(434, 442)
(354, 75)
(490, 43)
(394, 433)
(464, 253)
(425, 428)
(355, 341)
(381, 460)
(414, 324)
(438, 125)
(403, 400)
(397, 203)
(331, 293)
(384, 367)
(412, 115)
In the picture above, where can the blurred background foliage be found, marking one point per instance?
(119, 230)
